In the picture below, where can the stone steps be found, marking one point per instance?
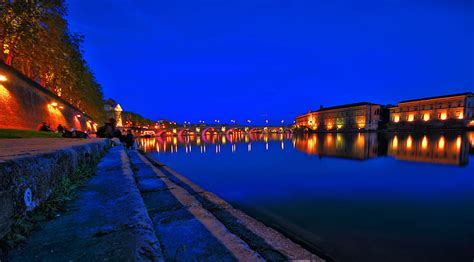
(108, 221)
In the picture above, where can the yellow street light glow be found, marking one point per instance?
(78, 116)
(3, 78)
(54, 104)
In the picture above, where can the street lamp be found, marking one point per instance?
(3, 78)
(282, 121)
(249, 121)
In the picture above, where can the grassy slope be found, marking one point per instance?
(14, 133)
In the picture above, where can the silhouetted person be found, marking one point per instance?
(44, 127)
(129, 140)
(108, 130)
(60, 128)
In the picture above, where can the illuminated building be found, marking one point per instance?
(114, 110)
(352, 117)
(442, 111)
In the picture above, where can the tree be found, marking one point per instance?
(35, 39)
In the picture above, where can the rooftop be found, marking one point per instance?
(344, 106)
(436, 97)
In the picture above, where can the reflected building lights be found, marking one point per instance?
(433, 148)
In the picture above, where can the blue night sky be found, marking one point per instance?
(273, 59)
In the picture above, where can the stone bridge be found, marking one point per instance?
(220, 130)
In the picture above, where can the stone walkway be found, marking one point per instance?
(153, 214)
(20, 147)
(107, 221)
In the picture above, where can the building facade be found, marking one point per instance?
(352, 117)
(448, 111)
(114, 110)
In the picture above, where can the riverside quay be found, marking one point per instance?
(454, 111)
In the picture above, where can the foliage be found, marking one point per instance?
(35, 39)
(14, 133)
(135, 119)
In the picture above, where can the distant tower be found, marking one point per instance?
(113, 110)
(118, 115)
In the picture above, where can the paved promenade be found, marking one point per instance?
(153, 214)
(20, 147)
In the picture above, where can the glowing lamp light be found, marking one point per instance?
(426, 117)
(54, 104)
(443, 116)
(3, 78)
(78, 116)
(424, 143)
(395, 142)
(441, 143)
(409, 142)
(61, 107)
(396, 119)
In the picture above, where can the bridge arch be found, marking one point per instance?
(210, 131)
(234, 130)
(164, 132)
(186, 132)
(256, 130)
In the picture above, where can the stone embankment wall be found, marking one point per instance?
(24, 104)
(28, 179)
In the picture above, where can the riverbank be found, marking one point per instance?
(135, 209)
(31, 169)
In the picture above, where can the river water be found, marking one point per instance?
(356, 197)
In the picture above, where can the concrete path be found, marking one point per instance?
(108, 221)
(20, 147)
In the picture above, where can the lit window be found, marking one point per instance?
(424, 143)
(409, 142)
(411, 117)
(426, 117)
(459, 115)
(396, 118)
(441, 143)
(443, 116)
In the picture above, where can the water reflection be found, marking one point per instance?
(450, 149)
(440, 148)
(353, 146)
(171, 144)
